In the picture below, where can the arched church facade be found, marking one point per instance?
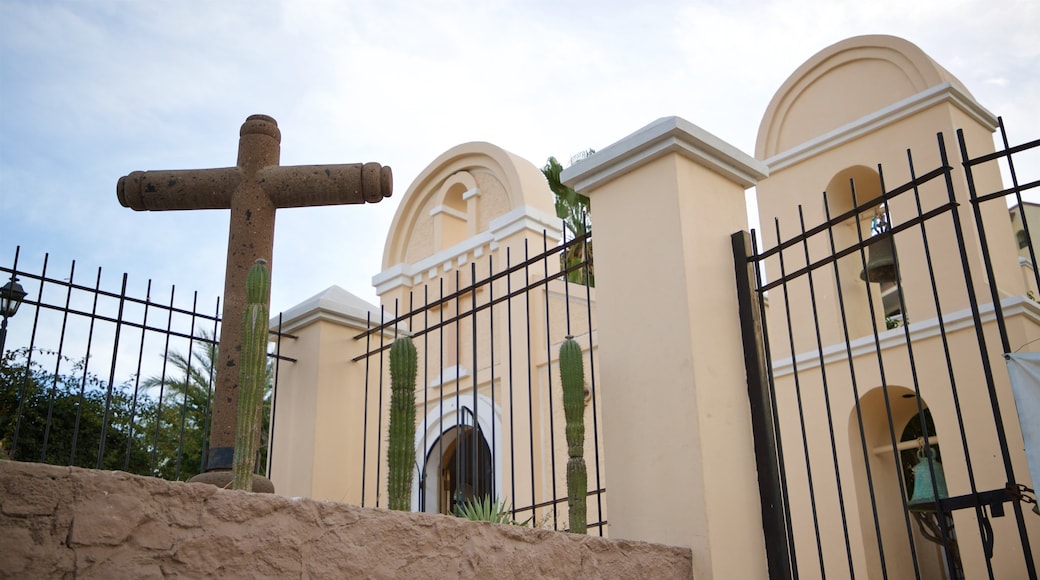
(864, 374)
(487, 345)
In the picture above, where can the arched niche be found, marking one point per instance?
(880, 482)
(849, 193)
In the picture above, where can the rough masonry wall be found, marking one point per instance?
(66, 521)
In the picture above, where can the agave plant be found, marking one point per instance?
(486, 509)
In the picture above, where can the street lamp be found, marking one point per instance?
(11, 296)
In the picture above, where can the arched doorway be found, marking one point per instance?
(458, 468)
(458, 455)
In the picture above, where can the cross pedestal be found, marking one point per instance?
(252, 190)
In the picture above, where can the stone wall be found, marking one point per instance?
(64, 521)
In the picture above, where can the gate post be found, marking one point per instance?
(767, 455)
(679, 454)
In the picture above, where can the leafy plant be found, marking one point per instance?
(486, 509)
(895, 321)
(574, 209)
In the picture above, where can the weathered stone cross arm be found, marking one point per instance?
(252, 190)
(292, 186)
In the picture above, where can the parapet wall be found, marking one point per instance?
(66, 521)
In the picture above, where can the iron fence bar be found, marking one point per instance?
(274, 399)
(458, 380)
(57, 364)
(491, 377)
(586, 262)
(987, 262)
(440, 381)
(549, 382)
(25, 379)
(893, 440)
(1005, 152)
(1017, 189)
(549, 502)
(475, 431)
(530, 371)
(83, 381)
(763, 428)
(207, 416)
(43, 279)
(187, 388)
(998, 418)
(984, 354)
(162, 384)
(111, 375)
(854, 382)
(954, 392)
(426, 399)
(364, 425)
(1018, 198)
(510, 370)
(137, 384)
(379, 409)
(827, 401)
(944, 531)
(801, 410)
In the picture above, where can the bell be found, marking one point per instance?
(923, 498)
(880, 265)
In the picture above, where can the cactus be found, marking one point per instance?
(572, 377)
(252, 375)
(401, 449)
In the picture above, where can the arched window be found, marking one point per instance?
(455, 215)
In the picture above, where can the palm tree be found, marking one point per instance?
(177, 424)
(179, 416)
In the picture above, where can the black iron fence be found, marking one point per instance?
(91, 376)
(490, 413)
(886, 445)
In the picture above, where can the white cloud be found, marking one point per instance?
(93, 90)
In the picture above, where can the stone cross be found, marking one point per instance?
(252, 190)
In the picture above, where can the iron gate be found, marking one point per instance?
(887, 439)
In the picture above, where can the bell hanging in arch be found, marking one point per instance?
(881, 267)
(923, 499)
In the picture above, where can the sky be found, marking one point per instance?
(91, 90)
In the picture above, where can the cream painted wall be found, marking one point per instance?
(676, 441)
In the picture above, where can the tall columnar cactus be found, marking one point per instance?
(252, 375)
(572, 376)
(401, 449)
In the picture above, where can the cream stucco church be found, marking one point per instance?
(796, 446)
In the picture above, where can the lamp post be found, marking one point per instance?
(11, 296)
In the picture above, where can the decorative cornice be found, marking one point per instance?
(334, 305)
(524, 218)
(662, 137)
(942, 93)
(919, 331)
